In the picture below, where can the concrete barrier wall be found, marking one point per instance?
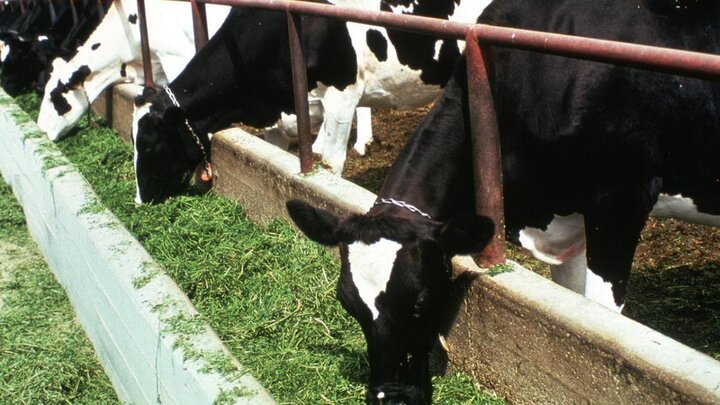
(150, 339)
(531, 340)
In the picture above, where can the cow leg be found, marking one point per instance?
(562, 245)
(571, 273)
(339, 107)
(612, 226)
(276, 136)
(364, 129)
(284, 133)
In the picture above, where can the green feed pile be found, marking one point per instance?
(45, 357)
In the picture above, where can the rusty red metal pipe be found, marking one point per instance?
(424, 25)
(200, 28)
(667, 60)
(145, 45)
(487, 163)
(675, 61)
(300, 91)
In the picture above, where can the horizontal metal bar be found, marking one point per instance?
(424, 25)
(695, 64)
(676, 61)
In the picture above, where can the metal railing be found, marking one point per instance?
(485, 137)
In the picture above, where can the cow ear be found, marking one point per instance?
(174, 115)
(142, 99)
(466, 234)
(317, 224)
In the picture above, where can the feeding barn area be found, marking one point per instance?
(196, 301)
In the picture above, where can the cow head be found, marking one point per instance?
(166, 152)
(395, 280)
(64, 100)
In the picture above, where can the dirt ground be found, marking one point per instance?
(675, 283)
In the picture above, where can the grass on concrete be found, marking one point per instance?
(45, 357)
(268, 293)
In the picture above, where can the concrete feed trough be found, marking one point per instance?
(531, 340)
(528, 338)
(150, 339)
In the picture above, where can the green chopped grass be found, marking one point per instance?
(44, 355)
(267, 292)
(30, 103)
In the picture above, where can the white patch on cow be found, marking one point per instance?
(339, 108)
(363, 129)
(138, 113)
(41, 38)
(600, 291)
(370, 267)
(563, 239)
(438, 48)
(4, 51)
(284, 132)
(401, 9)
(571, 273)
(683, 208)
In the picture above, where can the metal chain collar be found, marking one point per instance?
(402, 204)
(187, 124)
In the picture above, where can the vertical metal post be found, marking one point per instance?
(299, 75)
(487, 164)
(200, 28)
(145, 45)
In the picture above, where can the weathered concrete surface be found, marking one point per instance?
(520, 333)
(149, 338)
(531, 340)
(252, 171)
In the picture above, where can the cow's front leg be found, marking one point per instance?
(285, 133)
(332, 140)
(562, 245)
(363, 128)
(612, 226)
(571, 274)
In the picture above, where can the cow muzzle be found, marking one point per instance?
(399, 393)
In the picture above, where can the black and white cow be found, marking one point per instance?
(111, 54)
(243, 75)
(22, 35)
(589, 151)
(45, 31)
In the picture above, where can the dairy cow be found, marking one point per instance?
(111, 54)
(243, 75)
(44, 31)
(589, 150)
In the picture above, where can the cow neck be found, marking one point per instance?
(434, 169)
(201, 143)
